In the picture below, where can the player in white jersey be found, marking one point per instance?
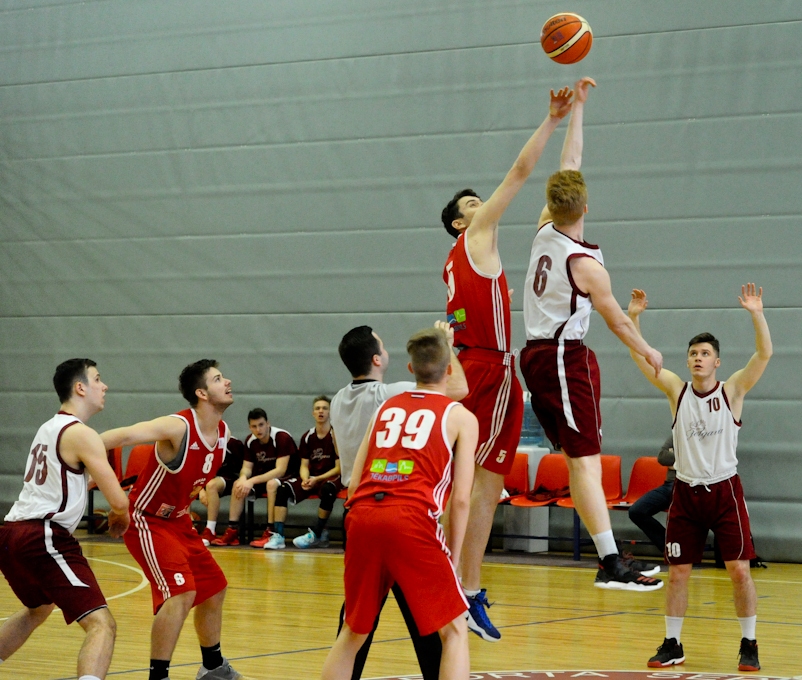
(39, 557)
(565, 281)
(352, 408)
(707, 493)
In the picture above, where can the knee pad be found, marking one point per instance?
(282, 496)
(328, 494)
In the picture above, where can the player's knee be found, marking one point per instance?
(328, 494)
(739, 571)
(100, 621)
(273, 484)
(39, 614)
(678, 574)
(453, 629)
(282, 496)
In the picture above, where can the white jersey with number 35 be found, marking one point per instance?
(52, 489)
(554, 308)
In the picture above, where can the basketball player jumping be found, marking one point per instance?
(566, 280)
(478, 309)
(39, 557)
(707, 492)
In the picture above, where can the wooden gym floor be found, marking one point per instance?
(281, 616)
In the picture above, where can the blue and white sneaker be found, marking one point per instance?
(308, 540)
(276, 542)
(478, 621)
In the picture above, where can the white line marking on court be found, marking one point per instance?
(143, 583)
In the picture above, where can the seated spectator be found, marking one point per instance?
(221, 486)
(319, 475)
(267, 453)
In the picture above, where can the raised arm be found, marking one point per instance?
(457, 386)
(485, 222)
(742, 381)
(167, 431)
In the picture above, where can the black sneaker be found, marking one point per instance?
(641, 567)
(669, 653)
(748, 654)
(613, 575)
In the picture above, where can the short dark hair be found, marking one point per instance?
(705, 337)
(429, 355)
(357, 349)
(193, 377)
(321, 397)
(68, 373)
(256, 414)
(452, 212)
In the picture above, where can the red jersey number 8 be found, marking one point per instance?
(417, 427)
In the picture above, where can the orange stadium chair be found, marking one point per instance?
(550, 485)
(516, 483)
(647, 474)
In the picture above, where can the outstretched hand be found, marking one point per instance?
(448, 330)
(751, 300)
(560, 104)
(638, 303)
(582, 87)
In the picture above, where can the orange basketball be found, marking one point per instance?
(566, 38)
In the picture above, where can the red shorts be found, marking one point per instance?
(43, 564)
(695, 510)
(496, 399)
(173, 557)
(565, 387)
(398, 543)
(300, 494)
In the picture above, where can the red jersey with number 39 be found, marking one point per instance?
(478, 305)
(166, 491)
(409, 457)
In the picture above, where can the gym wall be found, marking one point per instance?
(247, 181)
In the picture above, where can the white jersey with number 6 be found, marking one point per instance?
(52, 489)
(705, 437)
(554, 308)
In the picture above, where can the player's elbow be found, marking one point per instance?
(458, 392)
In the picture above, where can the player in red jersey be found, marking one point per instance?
(190, 446)
(478, 310)
(418, 442)
(269, 451)
(39, 557)
(319, 475)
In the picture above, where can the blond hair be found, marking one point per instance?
(429, 354)
(566, 196)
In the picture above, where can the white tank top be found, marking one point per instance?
(705, 437)
(52, 489)
(554, 308)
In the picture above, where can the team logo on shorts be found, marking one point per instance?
(165, 510)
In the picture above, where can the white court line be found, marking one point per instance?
(142, 584)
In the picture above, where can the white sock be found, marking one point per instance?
(748, 625)
(674, 627)
(471, 593)
(605, 543)
(89, 677)
(211, 526)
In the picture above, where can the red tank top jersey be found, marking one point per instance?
(409, 457)
(478, 306)
(167, 493)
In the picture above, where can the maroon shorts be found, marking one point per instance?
(695, 510)
(496, 399)
(565, 387)
(43, 564)
(398, 543)
(300, 494)
(173, 557)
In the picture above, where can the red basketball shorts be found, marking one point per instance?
(695, 510)
(398, 543)
(565, 385)
(496, 399)
(173, 557)
(43, 564)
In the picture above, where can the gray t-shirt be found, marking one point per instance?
(351, 410)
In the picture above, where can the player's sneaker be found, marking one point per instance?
(230, 537)
(478, 621)
(641, 567)
(308, 540)
(668, 654)
(262, 542)
(207, 536)
(224, 672)
(276, 542)
(324, 539)
(748, 654)
(613, 575)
